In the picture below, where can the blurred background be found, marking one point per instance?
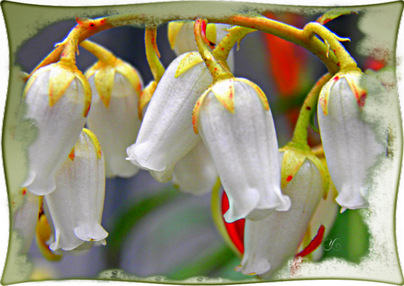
(154, 229)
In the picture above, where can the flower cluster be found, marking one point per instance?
(195, 124)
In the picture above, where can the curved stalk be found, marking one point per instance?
(153, 54)
(303, 122)
(217, 70)
(86, 28)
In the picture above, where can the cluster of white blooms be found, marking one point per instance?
(195, 130)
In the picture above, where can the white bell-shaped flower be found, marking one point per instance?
(270, 242)
(350, 143)
(25, 217)
(182, 38)
(166, 133)
(195, 173)
(113, 116)
(77, 203)
(57, 99)
(236, 124)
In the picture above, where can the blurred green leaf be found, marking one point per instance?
(132, 216)
(349, 237)
(333, 14)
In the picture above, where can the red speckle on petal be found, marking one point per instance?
(24, 191)
(289, 178)
(361, 99)
(336, 78)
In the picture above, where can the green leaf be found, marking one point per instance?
(349, 238)
(333, 14)
(132, 216)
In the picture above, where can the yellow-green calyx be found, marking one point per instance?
(353, 77)
(104, 71)
(224, 92)
(294, 156)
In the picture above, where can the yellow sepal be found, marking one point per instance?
(130, 74)
(96, 143)
(291, 163)
(188, 62)
(59, 81)
(259, 92)
(104, 82)
(224, 93)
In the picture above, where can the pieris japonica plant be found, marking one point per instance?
(201, 127)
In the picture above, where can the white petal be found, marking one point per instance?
(244, 148)
(166, 133)
(196, 173)
(117, 126)
(350, 145)
(185, 41)
(25, 219)
(58, 128)
(270, 242)
(77, 203)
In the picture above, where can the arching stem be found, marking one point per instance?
(216, 68)
(102, 54)
(153, 54)
(332, 41)
(303, 122)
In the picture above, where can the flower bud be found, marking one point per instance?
(270, 242)
(77, 203)
(113, 116)
(166, 134)
(350, 143)
(236, 124)
(58, 98)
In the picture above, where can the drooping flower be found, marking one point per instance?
(113, 116)
(58, 98)
(236, 124)
(270, 242)
(195, 173)
(25, 217)
(351, 144)
(166, 133)
(182, 39)
(75, 207)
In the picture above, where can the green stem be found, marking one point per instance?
(344, 58)
(152, 53)
(87, 28)
(217, 69)
(102, 54)
(303, 122)
(234, 35)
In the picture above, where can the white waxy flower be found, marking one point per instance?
(182, 38)
(236, 124)
(113, 116)
(58, 98)
(166, 133)
(270, 242)
(25, 217)
(350, 143)
(77, 203)
(195, 173)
